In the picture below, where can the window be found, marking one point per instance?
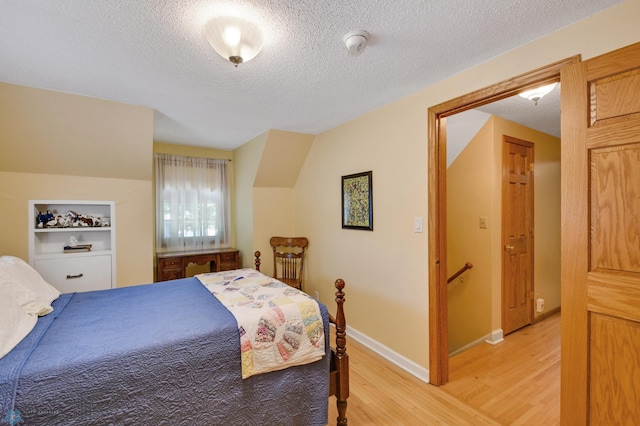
(192, 203)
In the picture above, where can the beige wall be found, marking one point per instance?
(386, 270)
(273, 195)
(247, 159)
(470, 194)
(267, 169)
(282, 159)
(474, 189)
(51, 132)
(274, 216)
(60, 146)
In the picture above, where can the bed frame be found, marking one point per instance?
(339, 371)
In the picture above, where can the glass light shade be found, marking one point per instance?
(537, 93)
(234, 38)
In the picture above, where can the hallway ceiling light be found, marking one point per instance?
(538, 93)
(234, 38)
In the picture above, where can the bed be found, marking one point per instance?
(163, 353)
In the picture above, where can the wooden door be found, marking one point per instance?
(517, 234)
(600, 367)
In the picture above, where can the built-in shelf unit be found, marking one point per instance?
(56, 224)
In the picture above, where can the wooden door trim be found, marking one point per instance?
(530, 145)
(438, 322)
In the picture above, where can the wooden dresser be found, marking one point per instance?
(172, 265)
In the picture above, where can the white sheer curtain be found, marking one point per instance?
(192, 203)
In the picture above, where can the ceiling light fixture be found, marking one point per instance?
(536, 94)
(356, 41)
(234, 38)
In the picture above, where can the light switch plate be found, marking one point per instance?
(417, 224)
(483, 222)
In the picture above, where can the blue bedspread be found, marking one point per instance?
(165, 353)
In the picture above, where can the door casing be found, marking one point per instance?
(438, 322)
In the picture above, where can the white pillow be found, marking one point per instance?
(30, 278)
(25, 286)
(15, 324)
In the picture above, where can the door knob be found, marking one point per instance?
(509, 247)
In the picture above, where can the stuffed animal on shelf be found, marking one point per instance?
(41, 219)
(68, 220)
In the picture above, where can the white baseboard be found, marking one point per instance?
(495, 337)
(401, 361)
(492, 338)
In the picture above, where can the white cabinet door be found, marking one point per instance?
(76, 273)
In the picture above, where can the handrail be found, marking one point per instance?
(466, 266)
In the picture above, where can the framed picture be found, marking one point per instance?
(357, 201)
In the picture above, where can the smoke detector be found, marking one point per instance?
(356, 41)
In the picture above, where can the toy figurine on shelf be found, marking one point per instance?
(44, 218)
(70, 219)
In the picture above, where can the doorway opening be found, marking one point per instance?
(438, 308)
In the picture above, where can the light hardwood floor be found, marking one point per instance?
(514, 383)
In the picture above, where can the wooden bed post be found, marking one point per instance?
(341, 357)
(339, 374)
(257, 262)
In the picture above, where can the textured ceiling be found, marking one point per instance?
(154, 53)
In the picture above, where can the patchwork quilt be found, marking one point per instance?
(279, 325)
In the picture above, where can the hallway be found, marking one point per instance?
(526, 390)
(516, 381)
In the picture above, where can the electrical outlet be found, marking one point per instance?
(317, 295)
(540, 304)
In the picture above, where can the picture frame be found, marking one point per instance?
(357, 201)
